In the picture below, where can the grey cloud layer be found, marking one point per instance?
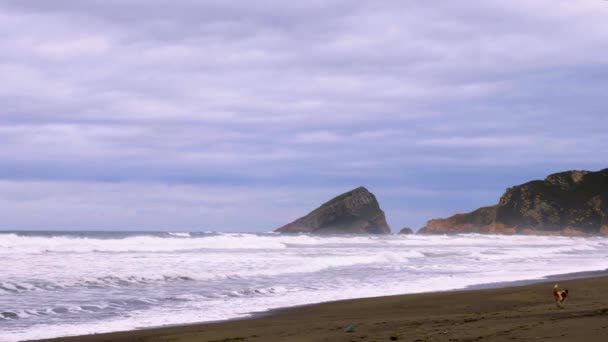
(310, 94)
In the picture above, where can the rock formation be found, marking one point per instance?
(354, 212)
(406, 230)
(566, 203)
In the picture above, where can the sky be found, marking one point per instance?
(245, 115)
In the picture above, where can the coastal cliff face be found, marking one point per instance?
(354, 212)
(566, 203)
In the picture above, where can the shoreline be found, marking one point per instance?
(271, 324)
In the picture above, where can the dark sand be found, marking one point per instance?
(519, 313)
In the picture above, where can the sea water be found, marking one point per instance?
(60, 284)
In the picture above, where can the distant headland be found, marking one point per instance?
(354, 212)
(570, 203)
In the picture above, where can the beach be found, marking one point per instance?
(515, 313)
(337, 170)
(76, 284)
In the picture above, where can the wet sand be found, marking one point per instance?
(517, 313)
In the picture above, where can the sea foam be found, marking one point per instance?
(58, 284)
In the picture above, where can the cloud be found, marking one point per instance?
(102, 205)
(309, 95)
(317, 137)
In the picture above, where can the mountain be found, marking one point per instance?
(353, 212)
(566, 203)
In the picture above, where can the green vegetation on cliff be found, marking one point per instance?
(567, 203)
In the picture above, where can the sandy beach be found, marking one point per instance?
(516, 313)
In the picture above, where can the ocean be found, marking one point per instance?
(71, 283)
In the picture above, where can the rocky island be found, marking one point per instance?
(354, 212)
(406, 231)
(565, 203)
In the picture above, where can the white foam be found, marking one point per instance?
(185, 279)
(180, 234)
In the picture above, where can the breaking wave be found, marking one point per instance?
(83, 282)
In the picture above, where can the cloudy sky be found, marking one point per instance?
(244, 115)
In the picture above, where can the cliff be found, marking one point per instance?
(354, 212)
(565, 203)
